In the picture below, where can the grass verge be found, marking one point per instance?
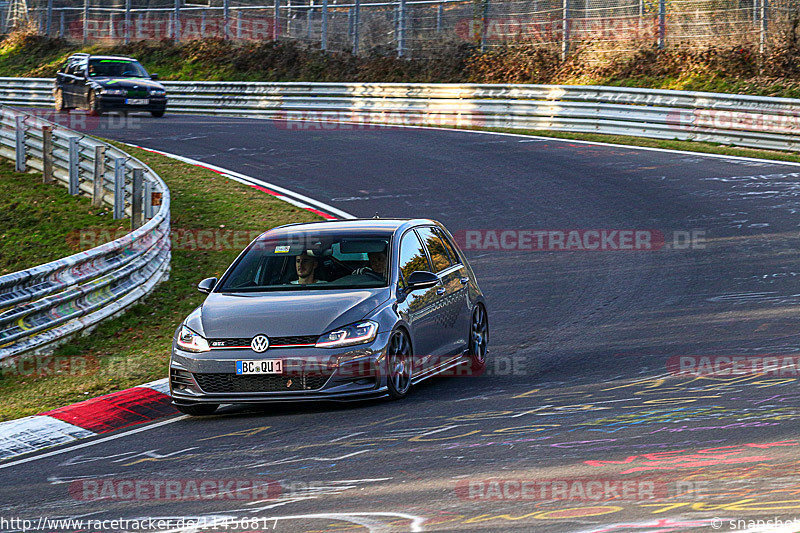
(41, 222)
(134, 348)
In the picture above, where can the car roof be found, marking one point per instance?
(389, 225)
(103, 57)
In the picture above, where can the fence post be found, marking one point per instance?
(98, 175)
(111, 26)
(762, 37)
(49, 20)
(309, 15)
(119, 188)
(137, 215)
(324, 36)
(74, 165)
(19, 152)
(47, 154)
(176, 27)
(439, 13)
(401, 28)
(61, 24)
(484, 24)
(238, 24)
(356, 25)
(85, 21)
(127, 21)
(565, 28)
(276, 19)
(226, 22)
(662, 24)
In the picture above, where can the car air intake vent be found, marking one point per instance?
(224, 383)
(180, 379)
(274, 342)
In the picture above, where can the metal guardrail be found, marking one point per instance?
(737, 120)
(47, 303)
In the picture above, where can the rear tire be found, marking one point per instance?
(198, 409)
(399, 365)
(58, 96)
(158, 114)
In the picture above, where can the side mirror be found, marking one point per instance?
(422, 279)
(206, 285)
(153, 76)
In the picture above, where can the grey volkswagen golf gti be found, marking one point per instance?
(337, 310)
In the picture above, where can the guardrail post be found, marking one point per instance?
(276, 19)
(19, 152)
(356, 25)
(148, 200)
(98, 173)
(324, 37)
(47, 154)
(136, 198)
(74, 165)
(119, 188)
(662, 24)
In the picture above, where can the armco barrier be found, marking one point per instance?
(44, 304)
(738, 120)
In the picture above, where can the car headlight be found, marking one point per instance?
(191, 342)
(113, 92)
(349, 335)
(157, 92)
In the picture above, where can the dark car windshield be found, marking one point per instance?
(311, 261)
(116, 68)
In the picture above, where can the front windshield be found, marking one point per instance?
(116, 68)
(311, 261)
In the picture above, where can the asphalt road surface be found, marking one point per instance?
(585, 351)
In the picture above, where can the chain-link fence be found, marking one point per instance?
(417, 27)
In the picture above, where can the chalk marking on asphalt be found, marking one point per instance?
(92, 443)
(360, 518)
(347, 436)
(541, 407)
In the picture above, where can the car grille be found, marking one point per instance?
(274, 342)
(222, 383)
(137, 93)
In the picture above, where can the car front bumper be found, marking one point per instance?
(117, 103)
(309, 374)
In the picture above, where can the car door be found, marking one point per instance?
(417, 308)
(450, 311)
(68, 84)
(461, 300)
(81, 92)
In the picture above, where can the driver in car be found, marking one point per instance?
(377, 264)
(306, 266)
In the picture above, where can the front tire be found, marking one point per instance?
(93, 105)
(158, 114)
(478, 340)
(399, 365)
(198, 409)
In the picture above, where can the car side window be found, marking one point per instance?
(412, 255)
(436, 248)
(451, 249)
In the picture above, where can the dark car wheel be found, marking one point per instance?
(94, 106)
(478, 339)
(58, 96)
(399, 365)
(158, 114)
(198, 409)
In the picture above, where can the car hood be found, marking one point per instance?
(127, 83)
(244, 315)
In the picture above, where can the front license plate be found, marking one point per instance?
(270, 366)
(137, 101)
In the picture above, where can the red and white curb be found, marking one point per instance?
(96, 416)
(137, 405)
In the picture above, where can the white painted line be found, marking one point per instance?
(92, 443)
(32, 433)
(249, 180)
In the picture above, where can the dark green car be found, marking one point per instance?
(108, 83)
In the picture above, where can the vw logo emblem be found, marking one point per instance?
(260, 343)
